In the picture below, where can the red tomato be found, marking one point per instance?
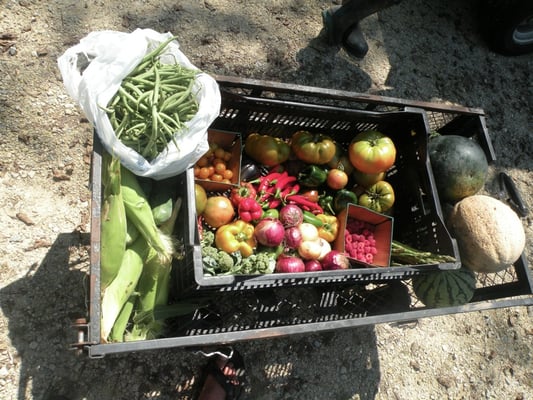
(372, 152)
(218, 211)
(337, 179)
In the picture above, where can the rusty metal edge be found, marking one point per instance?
(255, 84)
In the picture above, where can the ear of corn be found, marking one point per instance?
(148, 283)
(121, 323)
(113, 222)
(153, 288)
(167, 227)
(141, 274)
(131, 233)
(138, 211)
(122, 287)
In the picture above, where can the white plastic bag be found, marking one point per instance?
(92, 73)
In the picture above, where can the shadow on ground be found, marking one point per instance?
(42, 306)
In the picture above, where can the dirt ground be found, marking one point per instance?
(422, 50)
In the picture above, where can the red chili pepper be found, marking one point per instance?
(284, 180)
(289, 191)
(271, 176)
(263, 183)
(274, 203)
(301, 201)
(249, 209)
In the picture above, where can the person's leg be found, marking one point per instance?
(345, 18)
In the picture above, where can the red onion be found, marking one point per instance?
(335, 260)
(293, 237)
(291, 215)
(269, 232)
(313, 265)
(290, 264)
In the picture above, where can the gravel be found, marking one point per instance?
(420, 50)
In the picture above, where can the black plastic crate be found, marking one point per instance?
(236, 316)
(418, 219)
(231, 316)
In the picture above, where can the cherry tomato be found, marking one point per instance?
(203, 173)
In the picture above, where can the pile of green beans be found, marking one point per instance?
(152, 104)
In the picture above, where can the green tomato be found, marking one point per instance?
(313, 148)
(378, 197)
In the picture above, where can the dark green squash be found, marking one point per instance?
(459, 166)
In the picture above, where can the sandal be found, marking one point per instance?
(232, 384)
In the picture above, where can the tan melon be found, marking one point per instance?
(489, 234)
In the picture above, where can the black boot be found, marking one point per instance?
(354, 43)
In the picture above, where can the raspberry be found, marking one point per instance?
(359, 242)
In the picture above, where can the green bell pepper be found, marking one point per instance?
(342, 198)
(312, 176)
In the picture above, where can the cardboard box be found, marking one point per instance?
(381, 227)
(232, 142)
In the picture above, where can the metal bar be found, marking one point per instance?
(96, 206)
(260, 86)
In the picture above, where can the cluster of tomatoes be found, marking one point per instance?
(213, 165)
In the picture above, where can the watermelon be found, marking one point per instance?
(459, 166)
(445, 288)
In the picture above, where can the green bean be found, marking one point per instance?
(173, 101)
(176, 122)
(113, 120)
(139, 127)
(149, 150)
(128, 101)
(189, 105)
(142, 82)
(163, 125)
(148, 58)
(143, 102)
(141, 75)
(120, 128)
(153, 104)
